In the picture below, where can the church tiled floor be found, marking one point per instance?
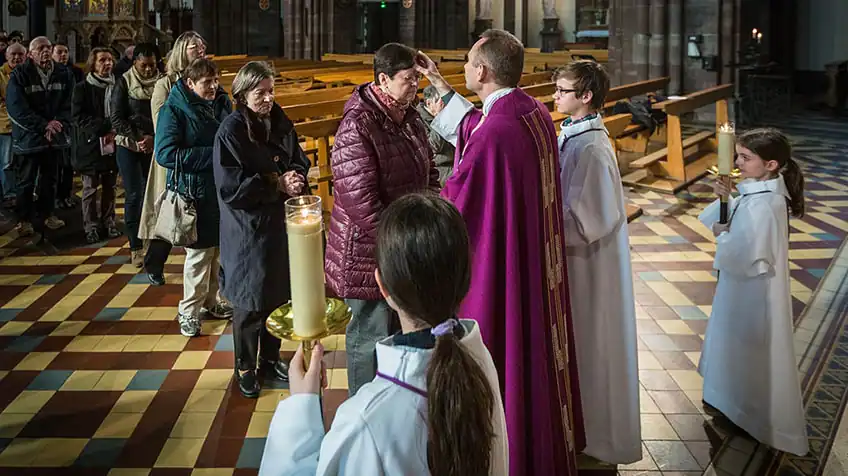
(96, 379)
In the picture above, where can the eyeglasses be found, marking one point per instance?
(563, 92)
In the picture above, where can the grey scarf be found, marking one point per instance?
(104, 83)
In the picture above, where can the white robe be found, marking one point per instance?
(382, 430)
(600, 283)
(748, 361)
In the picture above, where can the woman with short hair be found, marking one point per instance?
(95, 144)
(185, 133)
(380, 154)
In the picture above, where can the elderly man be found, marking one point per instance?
(38, 99)
(15, 55)
(506, 184)
(125, 63)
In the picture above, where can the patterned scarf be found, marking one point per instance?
(397, 110)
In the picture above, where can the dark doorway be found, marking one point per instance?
(379, 23)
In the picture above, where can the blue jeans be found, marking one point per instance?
(8, 178)
(134, 167)
(368, 324)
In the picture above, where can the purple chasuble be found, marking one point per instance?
(506, 185)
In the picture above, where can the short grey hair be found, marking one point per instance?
(38, 40)
(249, 77)
(431, 92)
(16, 46)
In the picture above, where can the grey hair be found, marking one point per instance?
(39, 40)
(431, 92)
(178, 59)
(249, 77)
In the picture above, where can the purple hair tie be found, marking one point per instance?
(444, 328)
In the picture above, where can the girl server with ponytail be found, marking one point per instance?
(748, 362)
(434, 407)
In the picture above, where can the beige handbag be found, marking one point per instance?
(176, 220)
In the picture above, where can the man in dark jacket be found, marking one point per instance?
(38, 99)
(126, 62)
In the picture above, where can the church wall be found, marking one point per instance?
(822, 37)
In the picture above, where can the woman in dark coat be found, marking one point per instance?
(184, 138)
(258, 166)
(95, 145)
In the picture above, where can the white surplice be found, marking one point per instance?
(382, 430)
(748, 362)
(600, 283)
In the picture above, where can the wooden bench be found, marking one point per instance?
(682, 161)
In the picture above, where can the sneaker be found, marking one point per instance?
(112, 231)
(221, 310)
(91, 236)
(24, 228)
(53, 222)
(137, 258)
(189, 325)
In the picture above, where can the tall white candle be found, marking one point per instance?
(726, 148)
(304, 225)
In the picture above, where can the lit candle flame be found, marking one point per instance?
(727, 127)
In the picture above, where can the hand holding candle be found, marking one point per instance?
(305, 226)
(726, 156)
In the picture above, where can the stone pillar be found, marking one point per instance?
(614, 45)
(658, 44)
(641, 40)
(36, 18)
(484, 19)
(509, 15)
(551, 33)
(675, 46)
(407, 24)
(728, 41)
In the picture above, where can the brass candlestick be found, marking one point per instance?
(280, 324)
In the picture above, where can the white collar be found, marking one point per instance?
(409, 364)
(776, 185)
(578, 127)
(493, 98)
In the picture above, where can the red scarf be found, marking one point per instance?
(396, 110)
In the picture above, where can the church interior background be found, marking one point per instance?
(95, 378)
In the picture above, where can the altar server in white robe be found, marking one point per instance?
(748, 363)
(434, 407)
(599, 273)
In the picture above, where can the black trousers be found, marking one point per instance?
(42, 166)
(252, 339)
(157, 254)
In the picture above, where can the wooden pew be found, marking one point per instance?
(683, 161)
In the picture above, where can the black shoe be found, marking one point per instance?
(248, 384)
(156, 279)
(277, 370)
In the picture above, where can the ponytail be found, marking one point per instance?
(794, 179)
(771, 144)
(460, 404)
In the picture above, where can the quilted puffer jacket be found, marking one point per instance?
(374, 161)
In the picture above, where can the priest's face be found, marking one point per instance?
(474, 68)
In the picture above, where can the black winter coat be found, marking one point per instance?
(131, 117)
(90, 124)
(31, 106)
(254, 245)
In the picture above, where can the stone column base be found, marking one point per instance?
(551, 35)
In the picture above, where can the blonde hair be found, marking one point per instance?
(178, 57)
(249, 77)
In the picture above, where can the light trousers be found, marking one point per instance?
(200, 280)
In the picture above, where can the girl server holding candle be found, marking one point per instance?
(748, 365)
(258, 166)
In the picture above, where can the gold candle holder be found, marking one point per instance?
(280, 324)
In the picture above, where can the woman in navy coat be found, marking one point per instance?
(258, 165)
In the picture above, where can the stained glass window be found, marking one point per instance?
(72, 4)
(98, 7)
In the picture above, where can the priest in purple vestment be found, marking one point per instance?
(506, 185)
